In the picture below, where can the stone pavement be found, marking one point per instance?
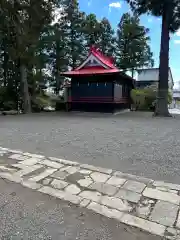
(152, 206)
(26, 214)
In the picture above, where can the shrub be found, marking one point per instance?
(145, 99)
(39, 102)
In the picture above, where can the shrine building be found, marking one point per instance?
(97, 85)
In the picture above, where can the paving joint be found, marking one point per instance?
(153, 206)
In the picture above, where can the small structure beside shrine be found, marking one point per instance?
(97, 85)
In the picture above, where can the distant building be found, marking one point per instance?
(176, 98)
(176, 94)
(150, 76)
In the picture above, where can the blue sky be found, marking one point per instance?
(113, 10)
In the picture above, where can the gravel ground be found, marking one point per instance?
(130, 142)
(29, 215)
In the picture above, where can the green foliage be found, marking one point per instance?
(39, 102)
(133, 44)
(170, 97)
(158, 8)
(5, 102)
(169, 11)
(34, 48)
(145, 99)
(138, 98)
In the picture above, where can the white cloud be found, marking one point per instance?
(177, 41)
(115, 5)
(150, 20)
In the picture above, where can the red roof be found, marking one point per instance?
(95, 63)
(91, 71)
(108, 61)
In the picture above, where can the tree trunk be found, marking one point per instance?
(5, 62)
(162, 99)
(132, 73)
(26, 96)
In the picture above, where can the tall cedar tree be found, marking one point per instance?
(55, 46)
(169, 10)
(92, 30)
(26, 20)
(72, 24)
(132, 44)
(106, 38)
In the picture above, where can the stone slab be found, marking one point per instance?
(52, 164)
(93, 196)
(18, 157)
(10, 177)
(159, 195)
(166, 185)
(104, 188)
(85, 171)
(146, 225)
(15, 151)
(115, 203)
(97, 169)
(33, 155)
(85, 202)
(133, 177)
(30, 184)
(105, 211)
(134, 186)
(86, 182)
(164, 213)
(30, 161)
(60, 184)
(60, 175)
(26, 170)
(47, 181)
(99, 177)
(70, 170)
(165, 189)
(63, 161)
(43, 175)
(61, 194)
(115, 181)
(128, 195)
(172, 234)
(6, 169)
(73, 189)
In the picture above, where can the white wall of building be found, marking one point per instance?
(153, 75)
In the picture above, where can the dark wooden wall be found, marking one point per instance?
(100, 93)
(88, 89)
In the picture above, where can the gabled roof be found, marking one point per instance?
(95, 63)
(97, 57)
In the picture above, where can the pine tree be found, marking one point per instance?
(92, 30)
(106, 38)
(71, 25)
(132, 44)
(169, 11)
(25, 21)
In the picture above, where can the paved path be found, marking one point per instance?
(29, 215)
(131, 142)
(152, 206)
